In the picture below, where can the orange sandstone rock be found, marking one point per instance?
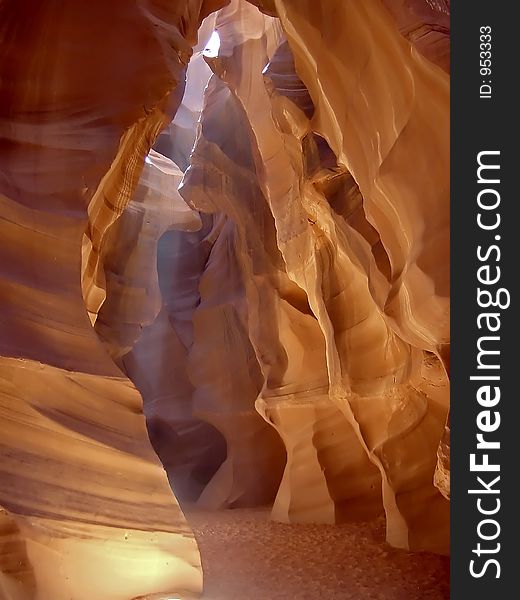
(273, 279)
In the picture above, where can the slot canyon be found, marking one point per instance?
(224, 299)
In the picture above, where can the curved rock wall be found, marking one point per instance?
(273, 279)
(85, 88)
(344, 255)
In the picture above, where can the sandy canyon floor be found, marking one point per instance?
(248, 557)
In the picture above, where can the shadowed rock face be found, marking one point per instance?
(85, 89)
(270, 286)
(338, 253)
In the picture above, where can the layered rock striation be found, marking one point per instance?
(269, 283)
(86, 507)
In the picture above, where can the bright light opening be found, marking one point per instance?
(213, 46)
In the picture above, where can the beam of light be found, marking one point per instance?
(213, 46)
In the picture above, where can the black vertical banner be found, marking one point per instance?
(485, 262)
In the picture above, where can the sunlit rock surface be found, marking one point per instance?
(269, 283)
(375, 370)
(85, 89)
